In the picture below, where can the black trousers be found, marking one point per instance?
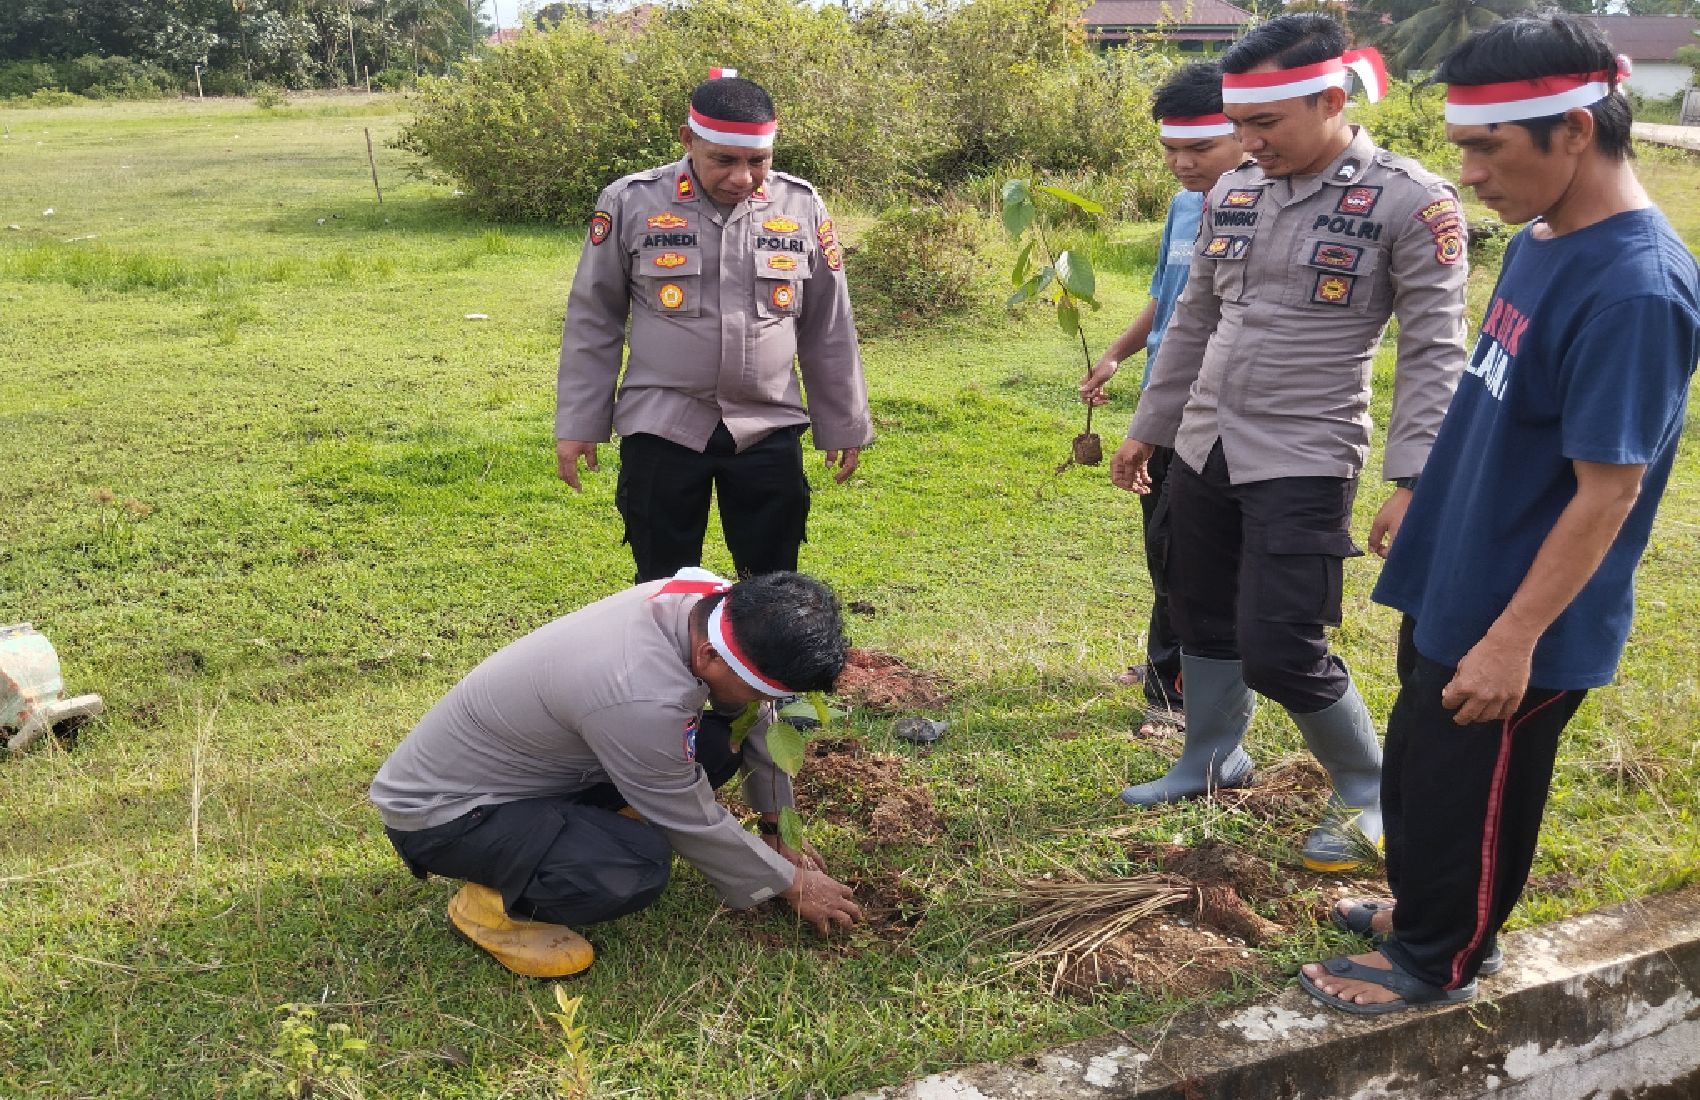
(1461, 806)
(1255, 575)
(1162, 645)
(664, 490)
(565, 859)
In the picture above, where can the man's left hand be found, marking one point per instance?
(1387, 521)
(808, 857)
(843, 463)
(1490, 682)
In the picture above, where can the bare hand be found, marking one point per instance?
(1127, 466)
(1490, 682)
(822, 901)
(1092, 386)
(567, 454)
(1387, 521)
(843, 463)
(808, 857)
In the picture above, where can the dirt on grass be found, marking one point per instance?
(880, 681)
(843, 783)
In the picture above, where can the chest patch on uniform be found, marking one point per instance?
(783, 296)
(1358, 201)
(601, 224)
(669, 240)
(1340, 257)
(781, 244)
(1363, 229)
(782, 263)
(1445, 221)
(670, 296)
(690, 739)
(1242, 219)
(1242, 197)
(1227, 247)
(830, 250)
(780, 225)
(668, 220)
(1333, 290)
(670, 260)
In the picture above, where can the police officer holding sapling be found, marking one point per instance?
(1262, 386)
(729, 273)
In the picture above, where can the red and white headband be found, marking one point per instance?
(720, 637)
(695, 581)
(1268, 87)
(1513, 100)
(745, 135)
(1194, 127)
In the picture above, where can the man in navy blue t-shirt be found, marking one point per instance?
(1515, 562)
(1198, 146)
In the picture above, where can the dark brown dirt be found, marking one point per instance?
(843, 783)
(1160, 954)
(882, 682)
(1285, 792)
(1088, 449)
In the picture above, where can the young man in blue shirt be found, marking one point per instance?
(1515, 562)
(1198, 146)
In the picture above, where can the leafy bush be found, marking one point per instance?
(25, 78)
(90, 75)
(394, 78)
(891, 99)
(1411, 121)
(51, 97)
(269, 97)
(917, 261)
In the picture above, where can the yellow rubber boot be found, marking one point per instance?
(528, 947)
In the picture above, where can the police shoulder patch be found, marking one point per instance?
(601, 224)
(1444, 218)
(690, 739)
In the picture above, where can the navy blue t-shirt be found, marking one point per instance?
(1585, 354)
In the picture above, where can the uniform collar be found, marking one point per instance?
(1342, 170)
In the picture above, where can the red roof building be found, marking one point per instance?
(1194, 25)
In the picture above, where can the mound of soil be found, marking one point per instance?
(843, 783)
(1289, 790)
(882, 682)
(1180, 959)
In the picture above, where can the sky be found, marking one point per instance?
(505, 12)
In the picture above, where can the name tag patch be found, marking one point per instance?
(670, 240)
(1332, 289)
(1243, 219)
(1339, 257)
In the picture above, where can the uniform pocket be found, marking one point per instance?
(1334, 274)
(1231, 250)
(668, 281)
(1301, 577)
(780, 279)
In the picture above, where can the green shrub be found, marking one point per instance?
(25, 78)
(394, 79)
(51, 97)
(915, 262)
(117, 78)
(1411, 121)
(269, 97)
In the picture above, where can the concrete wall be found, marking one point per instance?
(1605, 1005)
(1658, 79)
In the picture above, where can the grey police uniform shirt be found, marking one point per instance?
(1292, 282)
(604, 694)
(720, 306)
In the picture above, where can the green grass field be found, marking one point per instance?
(269, 490)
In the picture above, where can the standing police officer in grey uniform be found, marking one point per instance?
(729, 273)
(1262, 386)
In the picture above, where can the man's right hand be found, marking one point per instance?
(1127, 466)
(1092, 386)
(822, 900)
(567, 454)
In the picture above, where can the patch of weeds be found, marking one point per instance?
(308, 1059)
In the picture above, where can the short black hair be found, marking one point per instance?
(733, 99)
(1530, 47)
(790, 627)
(1303, 38)
(1192, 90)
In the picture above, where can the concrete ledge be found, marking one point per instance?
(1602, 1005)
(1683, 137)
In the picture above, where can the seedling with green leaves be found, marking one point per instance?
(1066, 274)
(785, 741)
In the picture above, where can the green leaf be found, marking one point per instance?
(1074, 272)
(1018, 216)
(1016, 191)
(1071, 198)
(824, 711)
(1023, 261)
(741, 725)
(1030, 289)
(1068, 315)
(791, 829)
(785, 745)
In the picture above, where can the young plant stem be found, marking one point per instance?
(1081, 332)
